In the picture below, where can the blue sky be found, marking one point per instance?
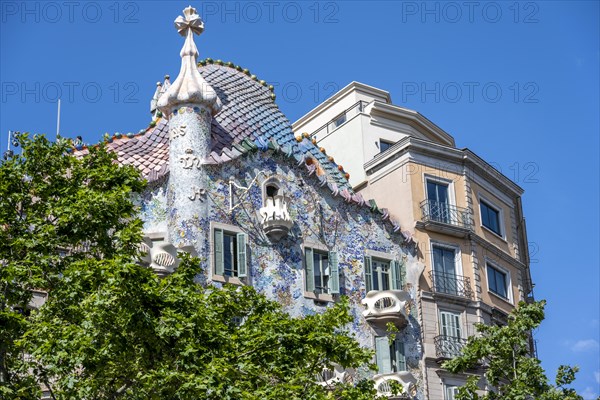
(516, 82)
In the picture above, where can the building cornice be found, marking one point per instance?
(444, 153)
(332, 101)
(504, 256)
(414, 119)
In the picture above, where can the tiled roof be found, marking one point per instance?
(249, 121)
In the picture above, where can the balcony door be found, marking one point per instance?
(444, 270)
(437, 196)
(450, 330)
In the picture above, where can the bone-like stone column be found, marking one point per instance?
(189, 104)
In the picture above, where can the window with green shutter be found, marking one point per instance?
(450, 325)
(382, 274)
(321, 271)
(390, 355)
(230, 258)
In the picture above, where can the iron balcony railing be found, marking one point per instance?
(448, 346)
(446, 214)
(340, 119)
(446, 283)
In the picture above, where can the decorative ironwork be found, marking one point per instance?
(446, 214)
(448, 346)
(456, 285)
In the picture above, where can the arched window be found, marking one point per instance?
(271, 188)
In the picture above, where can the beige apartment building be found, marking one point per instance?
(464, 216)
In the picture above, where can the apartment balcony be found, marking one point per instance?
(329, 377)
(385, 306)
(457, 286)
(276, 221)
(404, 378)
(445, 218)
(447, 346)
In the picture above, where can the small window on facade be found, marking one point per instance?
(381, 274)
(339, 120)
(390, 355)
(321, 271)
(229, 253)
(497, 281)
(271, 190)
(384, 145)
(490, 218)
(450, 326)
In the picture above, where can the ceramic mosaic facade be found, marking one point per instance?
(277, 269)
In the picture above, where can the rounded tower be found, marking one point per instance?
(189, 105)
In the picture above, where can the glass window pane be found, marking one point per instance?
(383, 146)
(490, 218)
(321, 272)
(229, 252)
(497, 281)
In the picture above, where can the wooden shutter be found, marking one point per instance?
(241, 255)
(450, 324)
(334, 274)
(309, 270)
(368, 274)
(382, 351)
(396, 275)
(456, 325)
(218, 246)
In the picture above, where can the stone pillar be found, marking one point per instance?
(189, 104)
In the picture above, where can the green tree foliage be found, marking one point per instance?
(510, 369)
(111, 328)
(51, 203)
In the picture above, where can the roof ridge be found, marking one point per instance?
(238, 68)
(314, 167)
(322, 149)
(108, 138)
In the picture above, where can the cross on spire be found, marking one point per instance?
(189, 87)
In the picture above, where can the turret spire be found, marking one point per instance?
(189, 87)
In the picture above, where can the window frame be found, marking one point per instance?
(455, 314)
(458, 267)
(447, 389)
(271, 181)
(340, 117)
(396, 274)
(453, 384)
(241, 278)
(440, 181)
(507, 280)
(500, 215)
(386, 143)
(334, 269)
(394, 353)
